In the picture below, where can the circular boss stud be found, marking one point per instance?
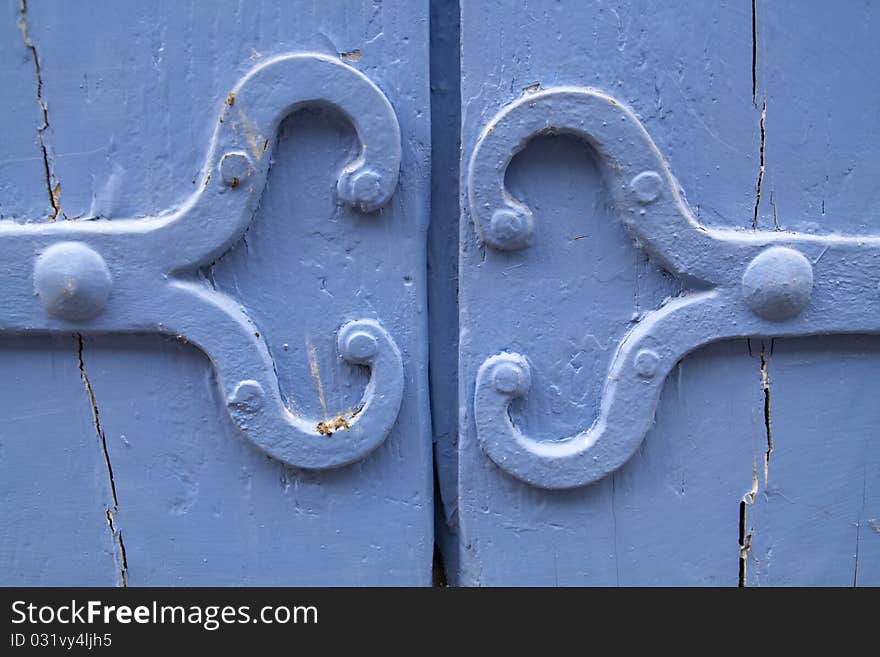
(72, 281)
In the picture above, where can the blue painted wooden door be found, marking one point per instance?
(214, 406)
(667, 188)
(651, 266)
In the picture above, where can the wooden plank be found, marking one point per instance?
(697, 77)
(812, 518)
(55, 487)
(133, 91)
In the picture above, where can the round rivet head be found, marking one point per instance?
(235, 168)
(647, 362)
(72, 281)
(358, 342)
(360, 346)
(367, 187)
(361, 189)
(647, 187)
(510, 230)
(778, 283)
(510, 378)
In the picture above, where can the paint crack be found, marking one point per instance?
(859, 527)
(768, 426)
(99, 430)
(53, 187)
(746, 533)
(760, 184)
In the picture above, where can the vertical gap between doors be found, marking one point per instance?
(445, 76)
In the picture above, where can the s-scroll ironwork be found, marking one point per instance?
(772, 284)
(139, 275)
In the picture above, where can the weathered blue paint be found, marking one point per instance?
(328, 268)
(549, 273)
(740, 283)
(136, 275)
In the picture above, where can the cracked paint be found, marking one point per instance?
(760, 184)
(99, 430)
(768, 427)
(745, 532)
(859, 527)
(53, 186)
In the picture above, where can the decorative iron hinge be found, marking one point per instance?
(137, 275)
(759, 283)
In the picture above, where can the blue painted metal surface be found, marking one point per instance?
(135, 275)
(742, 283)
(241, 180)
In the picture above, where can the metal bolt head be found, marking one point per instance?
(510, 378)
(235, 168)
(647, 363)
(647, 187)
(778, 283)
(367, 187)
(359, 342)
(361, 189)
(360, 346)
(509, 230)
(72, 281)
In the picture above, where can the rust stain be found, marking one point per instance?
(316, 375)
(351, 55)
(342, 421)
(532, 88)
(230, 99)
(328, 426)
